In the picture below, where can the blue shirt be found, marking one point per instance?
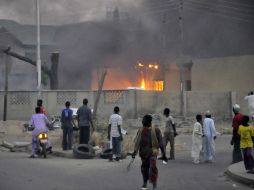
(66, 118)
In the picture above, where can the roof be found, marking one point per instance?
(26, 34)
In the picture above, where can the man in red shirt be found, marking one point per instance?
(237, 120)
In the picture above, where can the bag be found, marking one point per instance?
(155, 144)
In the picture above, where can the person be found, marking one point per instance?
(246, 133)
(209, 137)
(40, 105)
(250, 101)
(84, 122)
(67, 126)
(197, 139)
(169, 133)
(147, 142)
(39, 122)
(114, 134)
(235, 141)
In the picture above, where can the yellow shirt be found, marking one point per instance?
(246, 133)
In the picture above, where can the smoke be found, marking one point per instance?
(148, 31)
(56, 12)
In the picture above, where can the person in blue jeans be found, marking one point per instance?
(67, 127)
(114, 134)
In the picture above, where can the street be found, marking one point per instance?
(17, 171)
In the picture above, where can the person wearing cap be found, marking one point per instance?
(235, 141)
(209, 137)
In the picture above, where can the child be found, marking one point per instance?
(197, 137)
(246, 132)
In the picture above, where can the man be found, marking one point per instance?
(39, 122)
(67, 127)
(250, 101)
(84, 122)
(209, 137)
(42, 108)
(237, 121)
(147, 142)
(114, 134)
(169, 133)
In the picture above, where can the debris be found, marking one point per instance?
(7, 145)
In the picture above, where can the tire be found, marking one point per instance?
(44, 151)
(83, 151)
(106, 154)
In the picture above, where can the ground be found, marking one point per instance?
(17, 171)
(62, 173)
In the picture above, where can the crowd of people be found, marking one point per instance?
(149, 138)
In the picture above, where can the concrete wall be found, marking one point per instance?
(219, 103)
(223, 74)
(132, 103)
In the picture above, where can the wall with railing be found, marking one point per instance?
(132, 103)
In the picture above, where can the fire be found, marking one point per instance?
(143, 83)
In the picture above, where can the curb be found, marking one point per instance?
(234, 173)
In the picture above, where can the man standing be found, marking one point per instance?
(169, 133)
(209, 137)
(148, 140)
(67, 127)
(114, 134)
(237, 121)
(250, 101)
(84, 121)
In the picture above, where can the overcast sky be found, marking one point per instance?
(61, 11)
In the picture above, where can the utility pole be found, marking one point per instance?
(180, 64)
(6, 87)
(38, 60)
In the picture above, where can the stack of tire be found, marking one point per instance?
(83, 151)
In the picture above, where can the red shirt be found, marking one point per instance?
(237, 121)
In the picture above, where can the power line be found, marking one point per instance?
(160, 11)
(220, 14)
(223, 3)
(226, 8)
(238, 4)
(160, 6)
(151, 4)
(220, 11)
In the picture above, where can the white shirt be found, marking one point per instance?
(169, 124)
(114, 121)
(250, 101)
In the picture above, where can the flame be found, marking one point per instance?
(143, 84)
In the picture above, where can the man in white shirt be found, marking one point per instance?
(169, 133)
(209, 137)
(250, 101)
(114, 134)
